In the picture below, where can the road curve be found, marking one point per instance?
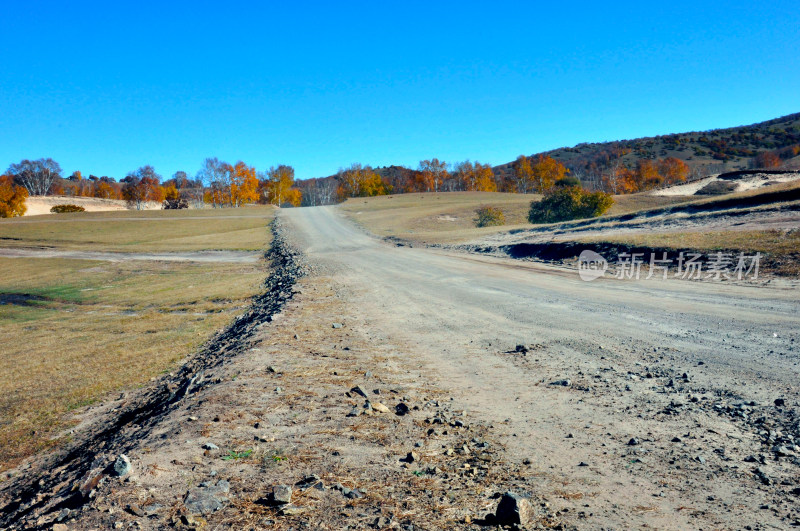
(624, 348)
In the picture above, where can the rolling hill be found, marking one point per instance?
(706, 152)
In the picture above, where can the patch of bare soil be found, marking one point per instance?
(40, 205)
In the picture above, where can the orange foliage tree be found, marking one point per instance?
(12, 198)
(475, 177)
(673, 170)
(432, 174)
(361, 181)
(522, 181)
(647, 176)
(277, 189)
(141, 186)
(104, 190)
(243, 185)
(546, 171)
(767, 159)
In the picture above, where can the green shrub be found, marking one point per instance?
(63, 209)
(571, 202)
(489, 217)
(569, 180)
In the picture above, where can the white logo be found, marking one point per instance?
(591, 265)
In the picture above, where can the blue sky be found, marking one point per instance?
(107, 87)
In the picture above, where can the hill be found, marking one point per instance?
(771, 144)
(765, 144)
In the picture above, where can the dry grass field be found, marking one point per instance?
(135, 231)
(449, 217)
(74, 331)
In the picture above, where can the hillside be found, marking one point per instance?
(706, 152)
(770, 144)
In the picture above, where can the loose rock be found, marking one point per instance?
(514, 510)
(122, 466)
(207, 498)
(282, 494)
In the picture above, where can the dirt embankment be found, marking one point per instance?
(563, 242)
(39, 205)
(63, 481)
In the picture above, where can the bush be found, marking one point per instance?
(175, 204)
(489, 217)
(63, 209)
(571, 202)
(569, 180)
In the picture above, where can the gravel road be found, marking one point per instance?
(662, 403)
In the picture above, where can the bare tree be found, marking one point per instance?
(215, 174)
(36, 176)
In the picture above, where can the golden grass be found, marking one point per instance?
(150, 230)
(97, 327)
(626, 204)
(73, 331)
(449, 217)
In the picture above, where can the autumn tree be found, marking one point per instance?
(104, 190)
(293, 197)
(619, 180)
(361, 181)
(279, 180)
(767, 160)
(673, 170)
(12, 198)
(244, 184)
(171, 193)
(546, 171)
(141, 186)
(37, 176)
(433, 173)
(646, 175)
(475, 177)
(522, 182)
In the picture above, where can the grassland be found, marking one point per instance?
(135, 231)
(74, 331)
(449, 218)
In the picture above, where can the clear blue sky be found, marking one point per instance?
(105, 87)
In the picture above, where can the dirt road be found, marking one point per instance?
(639, 403)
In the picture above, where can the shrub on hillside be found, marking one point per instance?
(489, 217)
(63, 209)
(569, 180)
(570, 202)
(12, 198)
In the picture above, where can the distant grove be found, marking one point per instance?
(218, 184)
(619, 167)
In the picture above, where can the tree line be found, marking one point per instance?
(217, 183)
(527, 175)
